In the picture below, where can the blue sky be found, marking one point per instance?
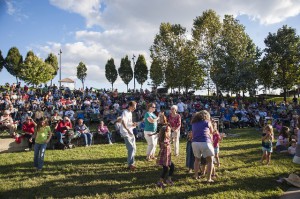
(94, 31)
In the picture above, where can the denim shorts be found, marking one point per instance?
(270, 150)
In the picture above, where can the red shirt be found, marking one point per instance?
(175, 122)
(61, 126)
(28, 127)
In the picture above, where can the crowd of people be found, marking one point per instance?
(161, 119)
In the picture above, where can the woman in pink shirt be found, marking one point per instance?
(104, 131)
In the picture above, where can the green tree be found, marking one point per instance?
(170, 49)
(206, 35)
(191, 72)
(1, 61)
(81, 72)
(236, 58)
(141, 70)
(52, 61)
(111, 72)
(125, 71)
(283, 54)
(156, 73)
(35, 71)
(265, 73)
(13, 62)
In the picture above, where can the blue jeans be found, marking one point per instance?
(87, 138)
(131, 149)
(59, 136)
(39, 154)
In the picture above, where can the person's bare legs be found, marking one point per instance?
(196, 167)
(210, 165)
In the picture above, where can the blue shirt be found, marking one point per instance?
(150, 126)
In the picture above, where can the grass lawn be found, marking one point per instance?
(100, 172)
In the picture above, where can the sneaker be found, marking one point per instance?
(160, 185)
(27, 149)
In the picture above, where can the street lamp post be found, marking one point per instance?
(133, 72)
(60, 52)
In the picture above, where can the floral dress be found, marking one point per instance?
(164, 153)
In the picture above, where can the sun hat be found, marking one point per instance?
(293, 179)
(296, 159)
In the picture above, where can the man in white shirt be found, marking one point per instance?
(180, 106)
(126, 132)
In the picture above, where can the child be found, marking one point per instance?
(283, 140)
(190, 158)
(42, 136)
(292, 148)
(267, 145)
(165, 156)
(216, 139)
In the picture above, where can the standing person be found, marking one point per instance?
(42, 136)
(190, 158)
(267, 146)
(126, 131)
(28, 129)
(175, 124)
(216, 140)
(150, 128)
(165, 156)
(202, 142)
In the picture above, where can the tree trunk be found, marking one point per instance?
(284, 94)
(112, 86)
(127, 88)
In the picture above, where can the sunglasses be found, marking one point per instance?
(153, 106)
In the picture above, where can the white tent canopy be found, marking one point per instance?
(68, 81)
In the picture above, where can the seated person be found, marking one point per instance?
(63, 128)
(55, 118)
(283, 140)
(38, 114)
(292, 148)
(28, 128)
(70, 114)
(244, 122)
(103, 130)
(235, 121)
(226, 119)
(6, 121)
(81, 130)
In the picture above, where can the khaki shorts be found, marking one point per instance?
(203, 148)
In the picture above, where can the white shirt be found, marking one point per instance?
(180, 107)
(127, 118)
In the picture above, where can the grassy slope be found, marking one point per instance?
(99, 172)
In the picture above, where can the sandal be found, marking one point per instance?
(160, 185)
(169, 182)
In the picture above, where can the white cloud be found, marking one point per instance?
(129, 27)
(14, 9)
(10, 7)
(89, 9)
